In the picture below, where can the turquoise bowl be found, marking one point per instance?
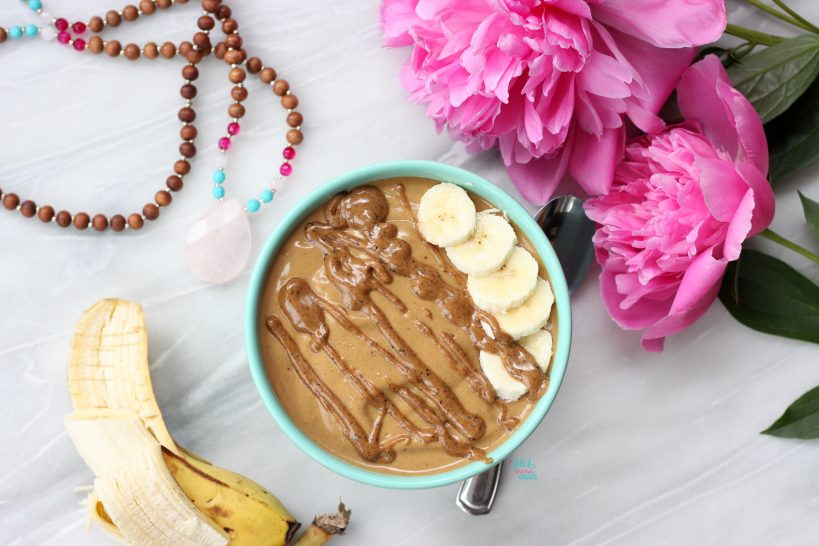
(443, 173)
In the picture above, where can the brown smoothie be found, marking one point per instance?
(370, 339)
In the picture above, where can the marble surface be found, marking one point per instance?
(638, 449)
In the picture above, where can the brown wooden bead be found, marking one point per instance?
(95, 44)
(236, 110)
(151, 50)
(190, 72)
(184, 48)
(63, 219)
(163, 198)
(229, 26)
(224, 12)
(188, 91)
(28, 208)
(267, 75)
(233, 40)
(147, 7)
(211, 6)
(10, 201)
(131, 52)
(187, 114)
(290, 101)
(280, 87)
(150, 211)
(294, 119)
(100, 222)
(201, 40)
(188, 132)
(96, 24)
(113, 48)
(168, 50)
(206, 22)
(220, 50)
(174, 183)
(81, 220)
(238, 93)
(254, 65)
(46, 213)
(237, 75)
(234, 56)
(3, 35)
(194, 56)
(164, 4)
(181, 167)
(187, 149)
(130, 13)
(113, 19)
(294, 136)
(118, 222)
(135, 221)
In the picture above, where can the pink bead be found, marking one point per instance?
(78, 27)
(63, 37)
(286, 169)
(217, 247)
(61, 24)
(233, 128)
(224, 143)
(289, 152)
(79, 44)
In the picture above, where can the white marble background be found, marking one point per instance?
(638, 449)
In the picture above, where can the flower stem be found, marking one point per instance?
(778, 14)
(754, 36)
(804, 23)
(775, 237)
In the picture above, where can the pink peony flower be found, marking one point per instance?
(548, 81)
(682, 203)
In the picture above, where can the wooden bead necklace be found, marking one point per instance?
(230, 50)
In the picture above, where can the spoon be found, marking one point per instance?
(569, 230)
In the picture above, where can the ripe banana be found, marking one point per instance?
(113, 399)
(507, 287)
(531, 315)
(446, 215)
(488, 248)
(506, 387)
(539, 345)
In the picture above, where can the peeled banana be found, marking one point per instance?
(149, 490)
(446, 215)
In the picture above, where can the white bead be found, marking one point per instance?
(221, 161)
(278, 184)
(47, 34)
(45, 15)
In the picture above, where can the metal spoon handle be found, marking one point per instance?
(476, 495)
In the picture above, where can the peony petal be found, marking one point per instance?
(594, 159)
(764, 200)
(397, 18)
(727, 118)
(697, 291)
(665, 23)
(641, 315)
(739, 227)
(722, 187)
(537, 179)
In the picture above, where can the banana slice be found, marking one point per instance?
(508, 287)
(506, 387)
(488, 248)
(446, 215)
(539, 345)
(532, 315)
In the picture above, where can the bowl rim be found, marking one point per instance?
(442, 173)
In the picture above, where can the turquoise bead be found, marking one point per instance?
(219, 176)
(253, 205)
(35, 4)
(267, 196)
(15, 32)
(218, 192)
(32, 30)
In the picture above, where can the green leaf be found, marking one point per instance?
(793, 137)
(811, 209)
(800, 420)
(770, 296)
(775, 77)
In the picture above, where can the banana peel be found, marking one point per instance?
(108, 373)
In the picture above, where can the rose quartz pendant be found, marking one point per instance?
(217, 247)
